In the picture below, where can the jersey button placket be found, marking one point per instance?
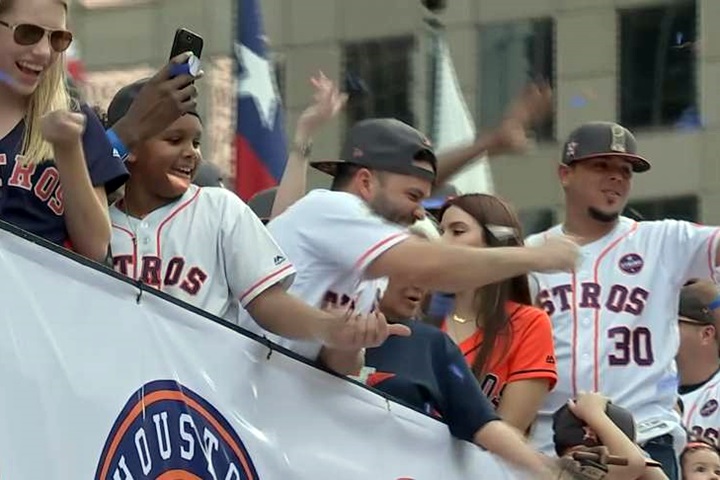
(585, 320)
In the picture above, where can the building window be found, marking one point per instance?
(512, 55)
(536, 220)
(378, 78)
(678, 208)
(657, 66)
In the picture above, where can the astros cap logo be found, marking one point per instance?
(168, 432)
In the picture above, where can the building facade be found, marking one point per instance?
(651, 64)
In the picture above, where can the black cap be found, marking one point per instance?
(569, 431)
(122, 100)
(385, 144)
(598, 139)
(691, 308)
(262, 202)
(208, 175)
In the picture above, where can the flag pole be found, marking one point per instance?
(434, 29)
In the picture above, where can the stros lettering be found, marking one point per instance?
(617, 298)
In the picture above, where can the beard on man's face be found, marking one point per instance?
(383, 207)
(603, 217)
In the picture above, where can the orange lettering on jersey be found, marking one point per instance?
(56, 202)
(46, 185)
(22, 174)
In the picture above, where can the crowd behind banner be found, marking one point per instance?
(589, 350)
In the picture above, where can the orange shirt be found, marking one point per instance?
(531, 353)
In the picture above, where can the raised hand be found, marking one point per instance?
(588, 405)
(327, 103)
(161, 101)
(531, 107)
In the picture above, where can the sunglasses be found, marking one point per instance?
(28, 34)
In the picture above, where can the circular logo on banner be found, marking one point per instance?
(631, 263)
(168, 432)
(709, 408)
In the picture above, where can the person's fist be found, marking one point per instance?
(557, 254)
(63, 128)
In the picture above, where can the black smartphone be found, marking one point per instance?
(186, 41)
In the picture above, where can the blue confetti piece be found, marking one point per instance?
(679, 38)
(578, 101)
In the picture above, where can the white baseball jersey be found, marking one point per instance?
(701, 414)
(207, 248)
(615, 319)
(331, 238)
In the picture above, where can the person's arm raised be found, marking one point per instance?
(159, 103)
(453, 268)
(327, 103)
(530, 108)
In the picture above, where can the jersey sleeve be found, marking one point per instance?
(689, 250)
(466, 408)
(348, 233)
(105, 169)
(533, 352)
(253, 260)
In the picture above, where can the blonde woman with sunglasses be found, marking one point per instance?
(56, 164)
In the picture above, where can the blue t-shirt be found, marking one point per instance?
(31, 196)
(427, 371)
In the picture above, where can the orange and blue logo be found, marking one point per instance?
(168, 432)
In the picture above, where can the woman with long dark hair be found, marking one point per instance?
(506, 341)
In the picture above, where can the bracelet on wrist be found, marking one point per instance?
(119, 148)
(304, 149)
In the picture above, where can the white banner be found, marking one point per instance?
(100, 383)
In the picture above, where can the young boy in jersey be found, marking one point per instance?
(591, 421)
(206, 247)
(698, 359)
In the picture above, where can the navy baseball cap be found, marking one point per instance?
(120, 104)
(692, 309)
(384, 144)
(569, 431)
(599, 139)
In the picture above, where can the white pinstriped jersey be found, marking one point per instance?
(615, 319)
(207, 248)
(331, 238)
(701, 414)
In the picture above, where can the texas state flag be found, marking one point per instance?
(260, 144)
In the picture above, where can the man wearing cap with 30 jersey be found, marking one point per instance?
(345, 241)
(615, 317)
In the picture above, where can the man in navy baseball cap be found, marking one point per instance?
(599, 139)
(384, 144)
